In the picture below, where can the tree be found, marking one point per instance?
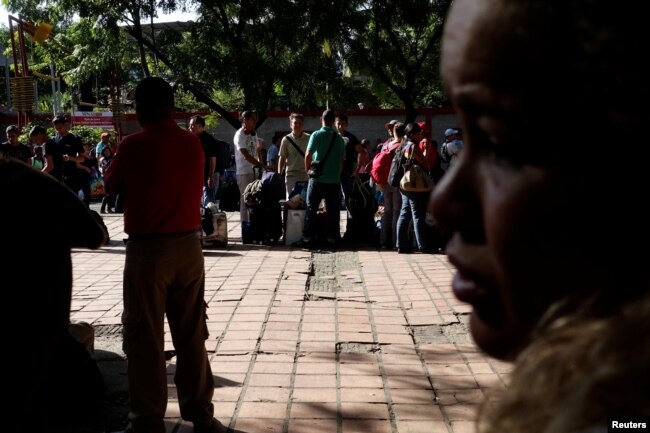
(256, 55)
(396, 42)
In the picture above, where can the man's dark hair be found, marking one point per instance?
(296, 116)
(247, 115)
(412, 128)
(329, 116)
(38, 129)
(342, 117)
(59, 118)
(154, 99)
(13, 128)
(199, 120)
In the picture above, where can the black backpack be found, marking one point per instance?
(396, 167)
(445, 157)
(224, 156)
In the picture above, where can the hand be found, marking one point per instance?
(210, 182)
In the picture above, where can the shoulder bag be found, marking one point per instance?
(316, 167)
(416, 178)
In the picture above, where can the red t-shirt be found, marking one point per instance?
(159, 172)
(428, 148)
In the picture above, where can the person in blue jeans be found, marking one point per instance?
(327, 185)
(413, 203)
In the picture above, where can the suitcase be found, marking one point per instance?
(219, 235)
(265, 223)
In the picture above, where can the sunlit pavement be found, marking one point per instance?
(350, 340)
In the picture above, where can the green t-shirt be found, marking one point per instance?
(319, 142)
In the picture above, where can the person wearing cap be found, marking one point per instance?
(104, 142)
(389, 128)
(450, 149)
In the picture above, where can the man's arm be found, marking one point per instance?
(251, 159)
(308, 158)
(49, 164)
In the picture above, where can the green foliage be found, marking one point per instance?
(87, 133)
(248, 54)
(229, 99)
(211, 121)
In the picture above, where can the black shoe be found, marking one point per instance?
(215, 427)
(404, 251)
(304, 243)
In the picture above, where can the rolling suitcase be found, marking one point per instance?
(218, 236)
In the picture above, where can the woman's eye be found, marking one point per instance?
(498, 148)
(515, 152)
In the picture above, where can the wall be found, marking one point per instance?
(362, 123)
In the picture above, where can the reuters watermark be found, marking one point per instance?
(628, 424)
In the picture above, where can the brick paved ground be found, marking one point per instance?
(311, 341)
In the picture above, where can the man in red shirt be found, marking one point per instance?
(159, 171)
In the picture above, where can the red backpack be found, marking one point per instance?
(381, 163)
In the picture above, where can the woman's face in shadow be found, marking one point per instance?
(516, 215)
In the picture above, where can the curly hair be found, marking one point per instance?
(549, 391)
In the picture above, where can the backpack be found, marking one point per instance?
(253, 193)
(396, 167)
(230, 195)
(445, 157)
(381, 163)
(361, 202)
(224, 157)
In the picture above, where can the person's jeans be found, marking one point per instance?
(392, 210)
(346, 190)
(413, 207)
(210, 194)
(317, 191)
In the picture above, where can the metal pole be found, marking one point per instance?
(8, 87)
(54, 100)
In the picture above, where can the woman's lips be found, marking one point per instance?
(466, 290)
(484, 300)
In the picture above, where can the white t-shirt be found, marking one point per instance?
(453, 148)
(248, 142)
